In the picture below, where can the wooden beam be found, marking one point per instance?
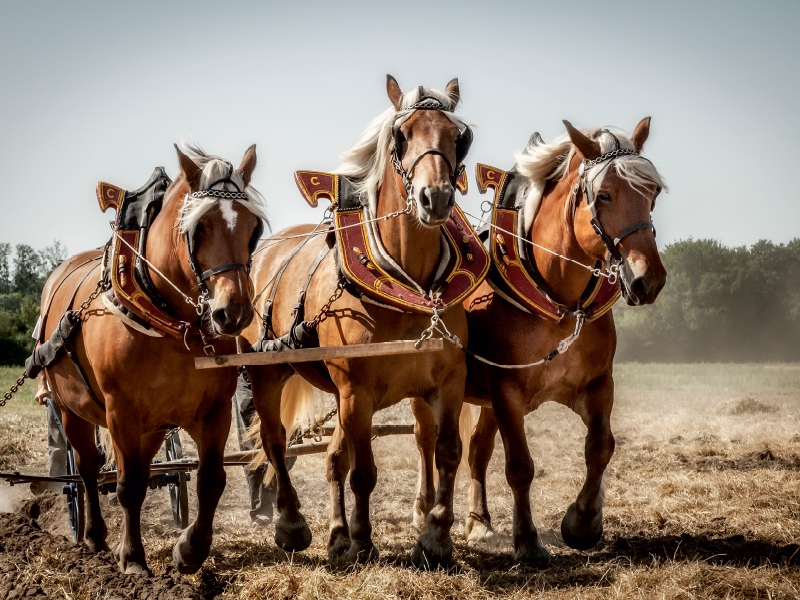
(315, 354)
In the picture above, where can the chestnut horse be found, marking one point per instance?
(427, 145)
(557, 217)
(141, 384)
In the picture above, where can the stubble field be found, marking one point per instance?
(702, 501)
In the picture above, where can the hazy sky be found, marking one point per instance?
(101, 91)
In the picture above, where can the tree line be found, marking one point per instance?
(23, 272)
(720, 304)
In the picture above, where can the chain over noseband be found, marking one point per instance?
(586, 185)
(203, 276)
(463, 143)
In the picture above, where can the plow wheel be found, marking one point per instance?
(178, 493)
(76, 512)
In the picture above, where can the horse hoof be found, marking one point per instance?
(482, 535)
(95, 545)
(431, 553)
(532, 553)
(359, 552)
(338, 544)
(188, 556)
(580, 533)
(134, 569)
(292, 536)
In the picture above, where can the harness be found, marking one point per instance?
(586, 185)
(515, 276)
(132, 290)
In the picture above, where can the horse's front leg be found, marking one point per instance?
(519, 474)
(425, 436)
(291, 530)
(481, 446)
(132, 477)
(210, 435)
(582, 526)
(338, 465)
(80, 434)
(355, 419)
(434, 548)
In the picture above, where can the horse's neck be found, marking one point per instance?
(413, 246)
(553, 229)
(163, 251)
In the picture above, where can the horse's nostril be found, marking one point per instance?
(425, 198)
(220, 317)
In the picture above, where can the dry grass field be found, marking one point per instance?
(702, 501)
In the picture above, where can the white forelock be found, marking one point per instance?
(365, 161)
(541, 163)
(214, 168)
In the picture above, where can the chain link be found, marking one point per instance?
(13, 390)
(588, 164)
(323, 312)
(315, 431)
(219, 194)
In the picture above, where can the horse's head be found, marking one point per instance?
(221, 223)
(430, 145)
(617, 193)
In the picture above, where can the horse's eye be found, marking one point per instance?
(401, 143)
(604, 196)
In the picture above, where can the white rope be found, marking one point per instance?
(610, 273)
(198, 306)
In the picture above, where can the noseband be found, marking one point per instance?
(203, 276)
(586, 185)
(463, 143)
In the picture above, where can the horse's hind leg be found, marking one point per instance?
(519, 474)
(479, 526)
(425, 436)
(81, 436)
(291, 530)
(582, 526)
(434, 548)
(210, 435)
(338, 465)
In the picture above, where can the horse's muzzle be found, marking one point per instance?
(435, 204)
(232, 319)
(642, 289)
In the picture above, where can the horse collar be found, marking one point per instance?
(363, 262)
(515, 275)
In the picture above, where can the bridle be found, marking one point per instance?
(586, 185)
(203, 276)
(463, 143)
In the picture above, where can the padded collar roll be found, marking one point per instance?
(366, 265)
(130, 278)
(515, 275)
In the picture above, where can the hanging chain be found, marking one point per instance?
(99, 289)
(315, 431)
(323, 312)
(13, 390)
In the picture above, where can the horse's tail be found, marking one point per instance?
(466, 425)
(106, 447)
(301, 405)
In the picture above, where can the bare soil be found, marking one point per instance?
(702, 501)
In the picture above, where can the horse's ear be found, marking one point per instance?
(189, 169)
(248, 164)
(394, 92)
(590, 149)
(641, 134)
(452, 91)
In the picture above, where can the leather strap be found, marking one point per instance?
(222, 268)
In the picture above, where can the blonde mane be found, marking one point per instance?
(541, 163)
(215, 168)
(365, 161)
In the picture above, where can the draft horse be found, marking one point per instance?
(130, 376)
(405, 168)
(585, 200)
